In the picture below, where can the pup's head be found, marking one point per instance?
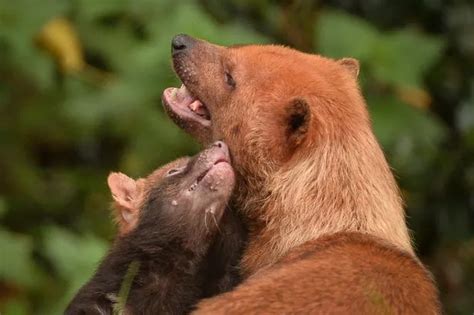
(186, 197)
(265, 102)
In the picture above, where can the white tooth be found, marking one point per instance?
(183, 93)
(183, 89)
(174, 92)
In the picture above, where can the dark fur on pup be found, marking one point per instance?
(177, 226)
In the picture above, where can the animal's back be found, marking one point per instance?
(345, 273)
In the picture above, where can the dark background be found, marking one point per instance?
(80, 87)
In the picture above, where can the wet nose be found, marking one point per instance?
(222, 148)
(220, 145)
(181, 42)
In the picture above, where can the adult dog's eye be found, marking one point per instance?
(229, 80)
(174, 171)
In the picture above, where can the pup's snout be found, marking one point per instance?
(220, 145)
(181, 43)
(217, 152)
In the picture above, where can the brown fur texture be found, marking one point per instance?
(175, 224)
(129, 194)
(344, 273)
(309, 166)
(331, 176)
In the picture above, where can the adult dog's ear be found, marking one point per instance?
(298, 120)
(351, 64)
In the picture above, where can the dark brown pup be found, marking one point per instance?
(176, 225)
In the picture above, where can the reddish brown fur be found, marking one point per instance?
(332, 178)
(345, 273)
(298, 187)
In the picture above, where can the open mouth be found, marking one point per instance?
(209, 171)
(181, 103)
(203, 174)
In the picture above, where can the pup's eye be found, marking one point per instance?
(229, 80)
(174, 171)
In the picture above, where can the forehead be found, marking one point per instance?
(278, 71)
(262, 62)
(273, 56)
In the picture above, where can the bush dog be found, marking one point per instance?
(175, 227)
(327, 231)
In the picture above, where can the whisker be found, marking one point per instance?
(215, 222)
(205, 221)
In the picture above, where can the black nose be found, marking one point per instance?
(181, 42)
(220, 145)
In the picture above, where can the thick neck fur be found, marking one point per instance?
(341, 185)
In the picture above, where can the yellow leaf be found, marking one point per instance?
(59, 38)
(414, 96)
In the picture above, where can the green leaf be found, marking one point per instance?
(92, 9)
(15, 307)
(74, 257)
(17, 265)
(342, 35)
(113, 43)
(3, 206)
(190, 18)
(119, 307)
(465, 118)
(19, 25)
(402, 57)
(412, 136)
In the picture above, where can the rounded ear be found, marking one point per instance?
(126, 193)
(298, 119)
(350, 64)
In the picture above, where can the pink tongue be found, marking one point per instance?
(184, 98)
(198, 108)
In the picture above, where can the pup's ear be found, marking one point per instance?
(350, 64)
(127, 194)
(298, 120)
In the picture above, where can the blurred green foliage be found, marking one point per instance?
(80, 87)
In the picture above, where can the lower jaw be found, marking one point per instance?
(200, 131)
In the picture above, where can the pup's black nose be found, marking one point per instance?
(220, 145)
(181, 42)
(219, 151)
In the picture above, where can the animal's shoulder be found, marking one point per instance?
(341, 273)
